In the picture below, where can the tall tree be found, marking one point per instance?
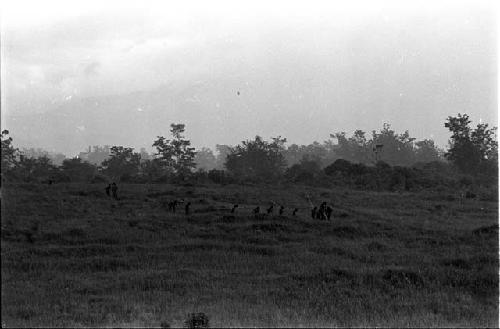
(426, 151)
(123, 163)
(78, 170)
(176, 154)
(355, 148)
(469, 148)
(258, 159)
(9, 152)
(397, 149)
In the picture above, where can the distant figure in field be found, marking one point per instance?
(256, 210)
(328, 212)
(295, 212)
(270, 210)
(321, 214)
(234, 209)
(114, 189)
(187, 207)
(313, 212)
(281, 210)
(172, 205)
(108, 188)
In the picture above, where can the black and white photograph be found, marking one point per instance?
(249, 164)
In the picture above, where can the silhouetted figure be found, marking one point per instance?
(328, 212)
(321, 214)
(238, 92)
(114, 190)
(313, 212)
(256, 210)
(295, 212)
(50, 182)
(187, 207)
(108, 188)
(234, 209)
(281, 210)
(270, 209)
(172, 205)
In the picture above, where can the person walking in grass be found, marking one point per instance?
(187, 207)
(313, 212)
(108, 188)
(114, 190)
(321, 214)
(328, 212)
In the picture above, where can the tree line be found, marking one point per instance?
(381, 161)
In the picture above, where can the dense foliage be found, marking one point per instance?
(384, 161)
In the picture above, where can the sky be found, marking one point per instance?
(305, 69)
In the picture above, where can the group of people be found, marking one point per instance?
(324, 212)
(270, 210)
(114, 189)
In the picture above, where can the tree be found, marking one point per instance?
(397, 148)
(123, 163)
(471, 149)
(34, 169)
(306, 170)
(426, 151)
(176, 153)
(257, 160)
(78, 170)
(9, 153)
(151, 169)
(205, 159)
(356, 148)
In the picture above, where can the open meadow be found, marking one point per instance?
(71, 256)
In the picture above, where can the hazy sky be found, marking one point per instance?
(329, 66)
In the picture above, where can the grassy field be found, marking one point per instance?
(73, 257)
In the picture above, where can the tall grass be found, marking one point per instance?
(386, 259)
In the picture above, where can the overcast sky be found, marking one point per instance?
(359, 63)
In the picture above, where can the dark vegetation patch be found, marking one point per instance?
(376, 246)
(489, 231)
(403, 278)
(330, 250)
(271, 227)
(160, 194)
(327, 277)
(347, 232)
(83, 193)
